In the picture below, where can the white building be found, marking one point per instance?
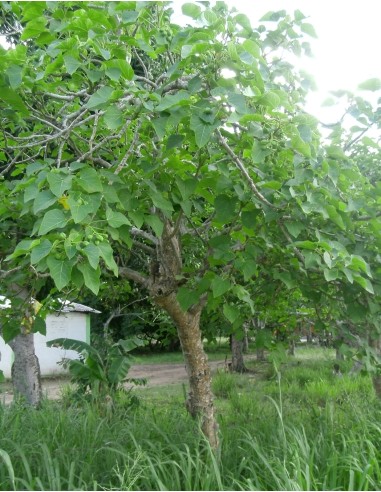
(72, 321)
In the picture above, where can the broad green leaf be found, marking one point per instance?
(116, 219)
(113, 117)
(123, 66)
(294, 228)
(23, 247)
(34, 28)
(370, 85)
(174, 141)
(225, 208)
(10, 97)
(156, 224)
(170, 100)
(71, 64)
(191, 10)
(100, 98)
(187, 298)
(40, 251)
(59, 183)
(186, 187)
(231, 312)
(53, 219)
(365, 283)
(105, 251)
(286, 278)
(39, 325)
(89, 180)
(243, 21)
(60, 270)
(331, 274)
(220, 286)
(93, 253)
(308, 29)
(160, 202)
(14, 73)
(202, 130)
(91, 276)
(118, 370)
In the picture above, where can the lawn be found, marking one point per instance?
(290, 425)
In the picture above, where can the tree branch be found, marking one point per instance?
(244, 171)
(135, 276)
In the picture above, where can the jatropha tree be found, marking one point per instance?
(183, 151)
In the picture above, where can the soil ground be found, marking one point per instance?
(155, 374)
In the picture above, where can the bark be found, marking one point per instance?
(165, 268)
(291, 348)
(245, 338)
(376, 379)
(238, 364)
(26, 369)
(200, 400)
(260, 354)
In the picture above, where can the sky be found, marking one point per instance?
(347, 51)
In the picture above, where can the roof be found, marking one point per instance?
(67, 306)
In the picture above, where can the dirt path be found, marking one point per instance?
(156, 375)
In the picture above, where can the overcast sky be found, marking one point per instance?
(348, 47)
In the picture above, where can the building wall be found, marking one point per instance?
(67, 325)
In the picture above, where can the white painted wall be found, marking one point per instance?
(67, 325)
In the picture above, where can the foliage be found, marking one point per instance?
(234, 164)
(100, 373)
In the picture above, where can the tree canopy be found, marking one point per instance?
(180, 158)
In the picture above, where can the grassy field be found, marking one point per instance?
(284, 426)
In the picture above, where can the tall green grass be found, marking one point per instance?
(296, 428)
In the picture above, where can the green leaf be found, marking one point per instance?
(160, 202)
(39, 325)
(225, 208)
(53, 219)
(14, 73)
(123, 67)
(220, 286)
(118, 370)
(59, 183)
(40, 251)
(100, 98)
(89, 180)
(60, 270)
(308, 29)
(370, 85)
(365, 283)
(34, 28)
(116, 219)
(294, 228)
(187, 298)
(105, 251)
(10, 97)
(174, 141)
(91, 276)
(186, 187)
(156, 224)
(191, 10)
(113, 117)
(170, 100)
(231, 312)
(93, 253)
(331, 274)
(71, 64)
(243, 21)
(202, 130)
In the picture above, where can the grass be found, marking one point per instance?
(293, 427)
(215, 351)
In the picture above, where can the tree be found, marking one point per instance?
(179, 158)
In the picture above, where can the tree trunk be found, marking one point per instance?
(245, 348)
(200, 400)
(238, 364)
(260, 354)
(376, 379)
(26, 369)
(291, 348)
